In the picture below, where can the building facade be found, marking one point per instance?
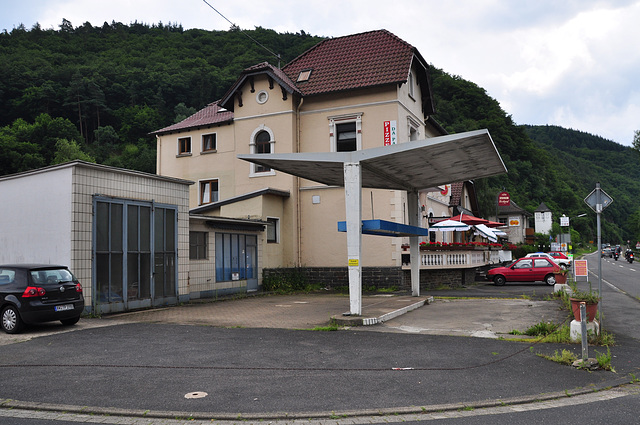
(124, 234)
(345, 94)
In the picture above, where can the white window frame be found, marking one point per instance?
(215, 149)
(345, 119)
(276, 225)
(262, 97)
(252, 149)
(413, 127)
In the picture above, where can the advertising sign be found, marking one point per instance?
(390, 133)
(580, 268)
(504, 199)
(514, 221)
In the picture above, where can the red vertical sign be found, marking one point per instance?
(387, 133)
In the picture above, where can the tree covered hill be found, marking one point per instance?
(116, 83)
(96, 92)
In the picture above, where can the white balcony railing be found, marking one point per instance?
(459, 259)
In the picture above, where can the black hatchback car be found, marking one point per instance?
(35, 293)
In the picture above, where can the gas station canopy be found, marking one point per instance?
(409, 166)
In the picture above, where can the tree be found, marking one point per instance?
(68, 151)
(636, 141)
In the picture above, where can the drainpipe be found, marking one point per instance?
(158, 155)
(297, 186)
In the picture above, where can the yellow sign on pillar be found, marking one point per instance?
(354, 262)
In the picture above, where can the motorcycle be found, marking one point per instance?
(630, 257)
(616, 255)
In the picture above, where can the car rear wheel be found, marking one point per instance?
(499, 280)
(550, 279)
(70, 322)
(11, 321)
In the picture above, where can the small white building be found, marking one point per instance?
(123, 233)
(543, 219)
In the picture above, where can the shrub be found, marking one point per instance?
(284, 280)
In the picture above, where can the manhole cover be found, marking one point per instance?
(197, 394)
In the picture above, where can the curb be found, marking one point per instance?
(368, 321)
(389, 411)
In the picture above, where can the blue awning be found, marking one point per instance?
(386, 228)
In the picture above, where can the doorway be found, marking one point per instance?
(127, 236)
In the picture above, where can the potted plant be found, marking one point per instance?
(561, 276)
(589, 297)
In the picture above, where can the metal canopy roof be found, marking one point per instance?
(410, 166)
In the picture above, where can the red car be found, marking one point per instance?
(558, 254)
(527, 269)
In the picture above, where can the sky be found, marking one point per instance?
(572, 63)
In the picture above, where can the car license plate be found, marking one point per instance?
(64, 307)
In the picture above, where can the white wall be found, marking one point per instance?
(35, 218)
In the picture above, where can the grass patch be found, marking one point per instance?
(564, 357)
(604, 360)
(329, 328)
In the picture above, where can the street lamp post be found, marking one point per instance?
(566, 222)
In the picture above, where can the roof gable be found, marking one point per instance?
(274, 74)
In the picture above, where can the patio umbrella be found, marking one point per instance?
(492, 224)
(486, 232)
(469, 219)
(449, 226)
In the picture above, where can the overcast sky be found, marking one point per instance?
(573, 63)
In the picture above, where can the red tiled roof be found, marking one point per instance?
(211, 114)
(456, 193)
(355, 61)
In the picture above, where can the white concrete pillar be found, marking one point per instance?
(414, 249)
(353, 202)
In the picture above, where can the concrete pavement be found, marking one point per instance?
(256, 358)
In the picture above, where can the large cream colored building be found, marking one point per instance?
(344, 94)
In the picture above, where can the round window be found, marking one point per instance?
(262, 97)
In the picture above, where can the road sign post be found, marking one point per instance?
(598, 200)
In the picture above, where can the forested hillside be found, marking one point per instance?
(116, 83)
(96, 92)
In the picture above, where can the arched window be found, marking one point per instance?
(262, 142)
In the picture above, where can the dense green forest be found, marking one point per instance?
(115, 84)
(96, 92)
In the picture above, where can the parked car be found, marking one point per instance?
(565, 263)
(558, 254)
(526, 269)
(35, 293)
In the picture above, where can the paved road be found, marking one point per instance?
(140, 364)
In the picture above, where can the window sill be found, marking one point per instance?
(209, 151)
(182, 155)
(266, 173)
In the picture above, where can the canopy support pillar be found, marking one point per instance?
(414, 249)
(353, 203)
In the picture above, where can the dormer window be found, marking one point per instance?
(304, 75)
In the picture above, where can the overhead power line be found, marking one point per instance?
(276, 55)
